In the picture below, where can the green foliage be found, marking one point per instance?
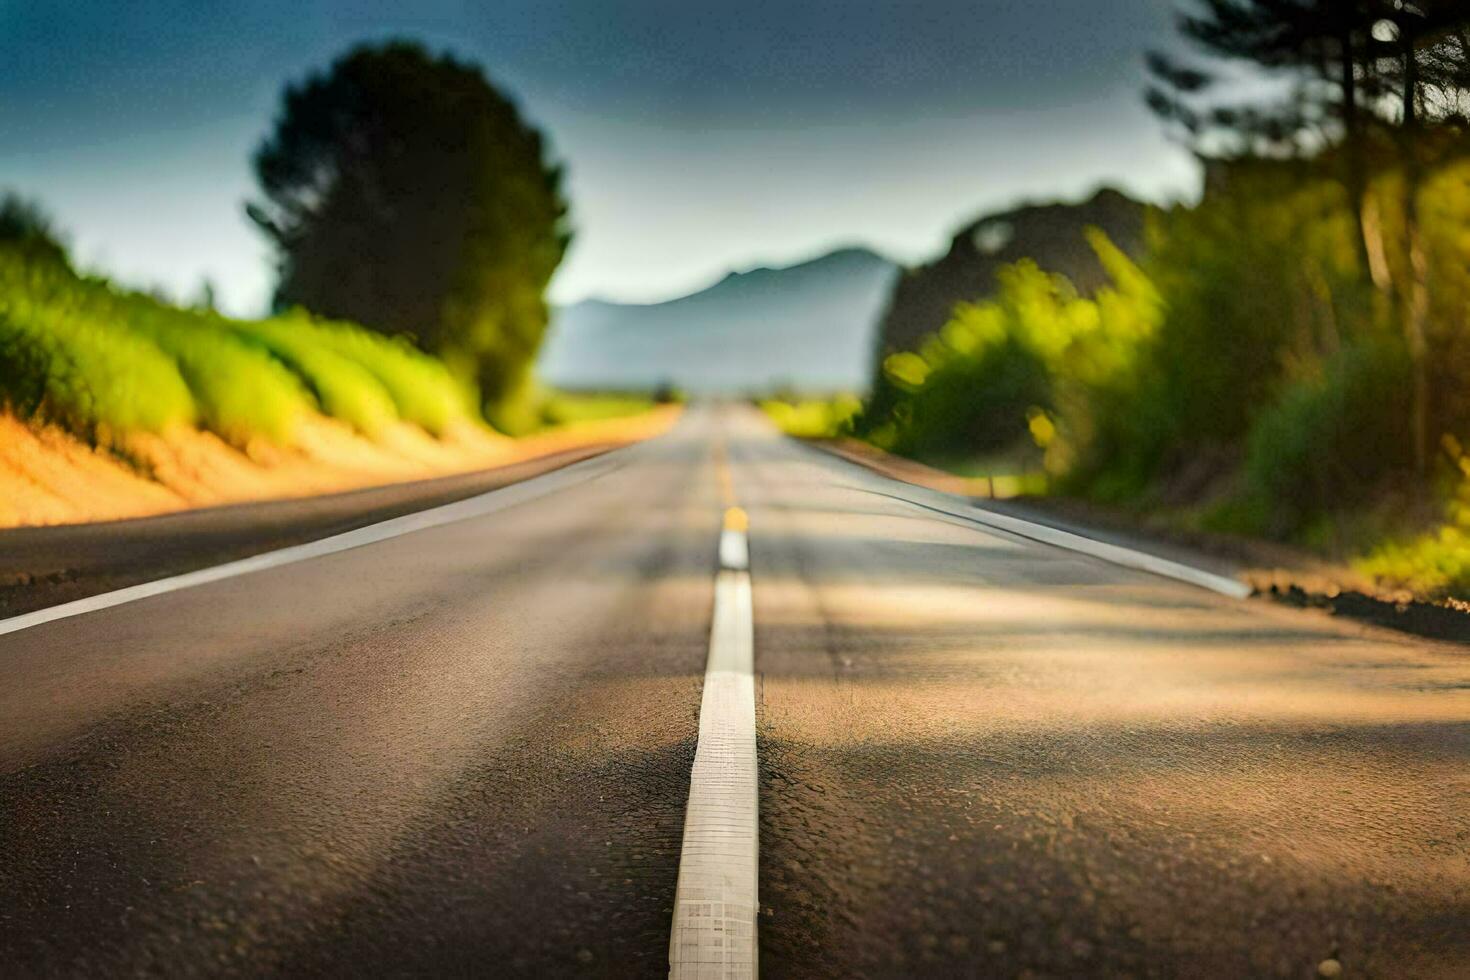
(421, 388)
(1291, 343)
(60, 364)
(403, 192)
(26, 227)
(1445, 219)
(89, 377)
(813, 418)
(1435, 563)
(239, 393)
(344, 388)
(103, 362)
(1327, 441)
(975, 402)
(1247, 372)
(1251, 283)
(566, 408)
(1017, 368)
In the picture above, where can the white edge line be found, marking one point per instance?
(476, 506)
(1102, 550)
(716, 899)
(1116, 554)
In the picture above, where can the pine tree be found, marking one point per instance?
(1321, 44)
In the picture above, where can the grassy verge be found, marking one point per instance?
(813, 418)
(117, 404)
(103, 362)
(571, 408)
(1401, 545)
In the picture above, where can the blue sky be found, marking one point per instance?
(698, 135)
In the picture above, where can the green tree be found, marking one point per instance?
(402, 191)
(1419, 52)
(1363, 67)
(1320, 45)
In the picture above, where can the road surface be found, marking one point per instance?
(466, 750)
(46, 566)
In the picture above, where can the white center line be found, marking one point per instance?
(715, 902)
(734, 551)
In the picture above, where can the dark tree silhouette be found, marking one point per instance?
(24, 224)
(403, 192)
(1322, 43)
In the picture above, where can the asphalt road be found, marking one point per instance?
(44, 566)
(466, 751)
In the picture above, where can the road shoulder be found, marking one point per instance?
(42, 567)
(1271, 571)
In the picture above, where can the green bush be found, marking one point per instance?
(344, 388)
(1330, 439)
(971, 405)
(1036, 346)
(421, 388)
(1255, 282)
(60, 363)
(92, 378)
(812, 418)
(102, 361)
(564, 408)
(240, 391)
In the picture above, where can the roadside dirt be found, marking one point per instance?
(50, 477)
(42, 566)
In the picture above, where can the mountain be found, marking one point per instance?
(1051, 234)
(809, 327)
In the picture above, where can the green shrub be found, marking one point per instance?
(59, 363)
(1436, 564)
(421, 388)
(976, 387)
(100, 360)
(563, 408)
(975, 404)
(344, 388)
(1329, 440)
(1254, 283)
(241, 391)
(812, 418)
(89, 378)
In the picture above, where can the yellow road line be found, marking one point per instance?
(722, 476)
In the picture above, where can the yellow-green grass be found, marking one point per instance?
(103, 361)
(812, 418)
(421, 388)
(565, 408)
(344, 388)
(1433, 565)
(239, 392)
(89, 377)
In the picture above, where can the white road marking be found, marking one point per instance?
(734, 551)
(460, 510)
(1112, 553)
(956, 506)
(716, 902)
